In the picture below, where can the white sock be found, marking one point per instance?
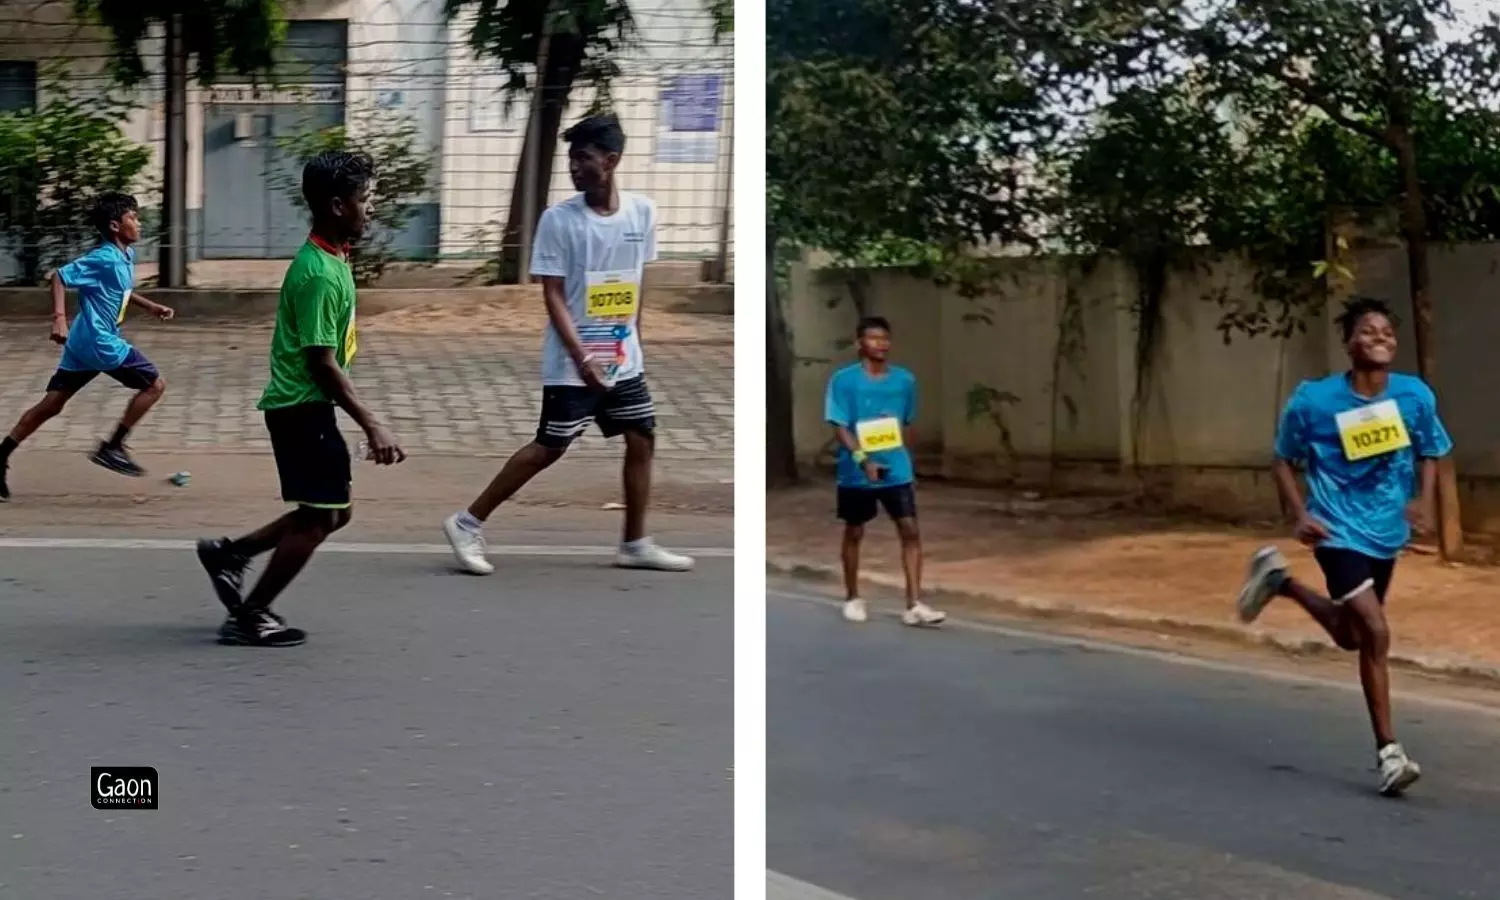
(636, 546)
(468, 523)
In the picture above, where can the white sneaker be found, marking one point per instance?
(1267, 570)
(855, 611)
(647, 555)
(922, 615)
(468, 547)
(1397, 771)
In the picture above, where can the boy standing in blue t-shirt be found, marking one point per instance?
(1369, 440)
(104, 279)
(871, 405)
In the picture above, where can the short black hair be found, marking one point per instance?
(109, 208)
(869, 322)
(602, 131)
(1359, 307)
(335, 174)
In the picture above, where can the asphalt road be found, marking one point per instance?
(559, 730)
(907, 765)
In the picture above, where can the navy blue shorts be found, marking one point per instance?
(136, 372)
(1348, 573)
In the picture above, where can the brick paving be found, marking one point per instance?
(441, 393)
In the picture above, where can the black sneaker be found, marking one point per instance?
(4, 488)
(116, 459)
(260, 629)
(226, 571)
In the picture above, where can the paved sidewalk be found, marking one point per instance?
(468, 392)
(1103, 559)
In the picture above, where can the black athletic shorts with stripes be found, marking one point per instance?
(568, 409)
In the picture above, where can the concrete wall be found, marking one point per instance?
(1057, 339)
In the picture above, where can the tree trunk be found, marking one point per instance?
(1414, 234)
(563, 58)
(781, 448)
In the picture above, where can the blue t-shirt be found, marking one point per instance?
(103, 278)
(1363, 502)
(874, 408)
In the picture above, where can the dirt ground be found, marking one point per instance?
(1110, 554)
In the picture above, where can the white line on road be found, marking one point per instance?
(782, 887)
(1168, 656)
(19, 543)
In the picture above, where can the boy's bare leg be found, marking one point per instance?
(46, 409)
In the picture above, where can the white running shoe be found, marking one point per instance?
(922, 615)
(855, 611)
(645, 554)
(1267, 571)
(468, 547)
(1397, 771)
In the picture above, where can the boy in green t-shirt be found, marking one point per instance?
(311, 349)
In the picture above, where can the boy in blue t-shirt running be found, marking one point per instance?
(104, 279)
(871, 405)
(1369, 440)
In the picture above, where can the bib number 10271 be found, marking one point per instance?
(1373, 430)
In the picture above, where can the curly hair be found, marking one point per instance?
(1359, 307)
(109, 208)
(335, 174)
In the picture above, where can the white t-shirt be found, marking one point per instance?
(601, 260)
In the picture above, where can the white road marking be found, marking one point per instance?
(782, 887)
(1176, 658)
(20, 543)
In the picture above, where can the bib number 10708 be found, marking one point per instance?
(1373, 430)
(613, 295)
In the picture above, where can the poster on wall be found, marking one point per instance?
(688, 129)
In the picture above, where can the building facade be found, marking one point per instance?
(373, 64)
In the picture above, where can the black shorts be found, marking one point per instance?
(311, 456)
(859, 505)
(136, 372)
(1348, 573)
(567, 410)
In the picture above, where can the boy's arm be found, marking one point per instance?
(150, 306)
(59, 308)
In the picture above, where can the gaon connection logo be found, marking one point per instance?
(123, 787)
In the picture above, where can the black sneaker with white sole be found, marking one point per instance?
(116, 459)
(260, 629)
(226, 571)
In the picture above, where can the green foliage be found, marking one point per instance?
(232, 35)
(54, 161)
(898, 122)
(510, 34)
(403, 177)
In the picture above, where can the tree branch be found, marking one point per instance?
(1315, 97)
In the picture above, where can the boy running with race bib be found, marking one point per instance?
(1369, 440)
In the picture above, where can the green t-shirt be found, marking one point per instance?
(316, 310)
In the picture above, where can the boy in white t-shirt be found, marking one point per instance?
(590, 253)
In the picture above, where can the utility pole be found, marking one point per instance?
(173, 259)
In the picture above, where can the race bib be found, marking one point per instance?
(1372, 430)
(879, 434)
(613, 295)
(351, 342)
